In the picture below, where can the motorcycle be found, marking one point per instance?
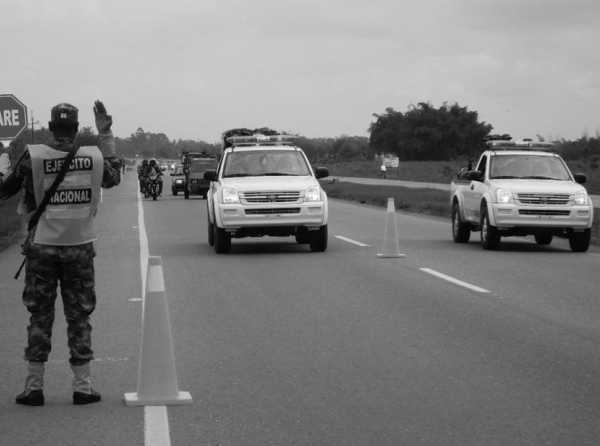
(153, 186)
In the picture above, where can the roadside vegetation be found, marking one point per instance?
(423, 201)
(441, 171)
(10, 222)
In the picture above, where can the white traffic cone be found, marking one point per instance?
(157, 378)
(391, 246)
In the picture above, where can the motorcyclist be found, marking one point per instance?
(154, 170)
(142, 168)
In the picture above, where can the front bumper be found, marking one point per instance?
(235, 216)
(551, 217)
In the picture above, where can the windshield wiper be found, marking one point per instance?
(231, 175)
(504, 177)
(539, 177)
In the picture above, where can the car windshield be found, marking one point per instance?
(538, 167)
(201, 165)
(265, 163)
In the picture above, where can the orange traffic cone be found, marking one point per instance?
(157, 378)
(391, 246)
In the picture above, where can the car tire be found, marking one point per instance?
(580, 241)
(461, 231)
(490, 237)
(222, 240)
(318, 239)
(543, 238)
(302, 236)
(211, 233)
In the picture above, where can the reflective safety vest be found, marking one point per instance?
(69, 216)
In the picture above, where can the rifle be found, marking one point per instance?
(33, 221)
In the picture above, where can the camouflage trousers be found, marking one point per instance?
(73, 268)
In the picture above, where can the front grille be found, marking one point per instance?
(544, 199)
(273, 211)
(271, 197)
(544, 212)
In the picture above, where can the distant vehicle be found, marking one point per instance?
(265, 186)
(194, 167)
(520, 189)
(177, 180)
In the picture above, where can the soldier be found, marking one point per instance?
(59, 249)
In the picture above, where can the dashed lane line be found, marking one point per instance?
(349, 240)
(156, 429)
(454, 281)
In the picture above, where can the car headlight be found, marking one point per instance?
(580, 198)
(312, 194)
(503, 196)
(230, 195)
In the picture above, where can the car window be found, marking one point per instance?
(482, 164)
(529, 167)
(265, 163)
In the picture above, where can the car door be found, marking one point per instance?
(474, 191)
(213, 190)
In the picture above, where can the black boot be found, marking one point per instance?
(86, 398)
(31, 398)
(33, 395)
(83, 393)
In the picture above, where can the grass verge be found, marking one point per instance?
(422, 201)
(442, 171)
(10, 222)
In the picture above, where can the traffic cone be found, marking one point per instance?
(157, 378)
(391, 246)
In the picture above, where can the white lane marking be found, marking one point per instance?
(349, 240)
(453, 280)
(156, 430)
(156, 419)
(135, 299)
(144, 253)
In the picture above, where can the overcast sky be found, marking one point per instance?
(192, 69)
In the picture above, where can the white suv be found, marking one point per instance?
(519, 191)
(265, 185)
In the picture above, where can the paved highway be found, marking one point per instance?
(451, 345)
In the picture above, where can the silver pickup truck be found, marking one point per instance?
(520, 190)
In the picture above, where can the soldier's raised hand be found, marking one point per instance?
(103, 120)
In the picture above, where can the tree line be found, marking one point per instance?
(422, 132)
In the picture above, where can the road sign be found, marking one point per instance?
(13, 117)
(391, 161)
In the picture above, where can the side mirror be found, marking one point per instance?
(474, 175)
(321, 172)
(580, 178)
(210, 175)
